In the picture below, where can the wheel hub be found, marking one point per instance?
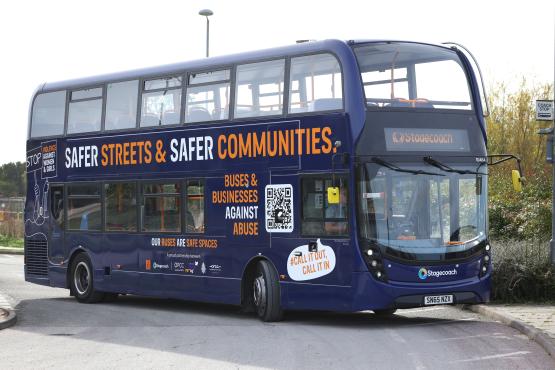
(81, 278)
(259, 288)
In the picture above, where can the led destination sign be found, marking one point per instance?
(425, 139)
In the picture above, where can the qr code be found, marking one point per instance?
(279, 208)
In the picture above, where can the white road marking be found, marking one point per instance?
(443, 322)
(494, 335)
(429, 309)
(493, 357)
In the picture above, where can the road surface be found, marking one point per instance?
(53, 330)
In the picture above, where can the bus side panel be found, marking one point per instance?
(120, 266)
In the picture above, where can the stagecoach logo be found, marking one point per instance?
(424, 273)
(425, 139)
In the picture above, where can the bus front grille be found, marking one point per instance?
(36, 256)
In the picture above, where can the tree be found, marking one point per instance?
(512, 128)
(12, 179)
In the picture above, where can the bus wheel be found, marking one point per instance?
(266, 294)
(81, 282)
(385, 313)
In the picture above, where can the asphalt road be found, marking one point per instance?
(53, 330)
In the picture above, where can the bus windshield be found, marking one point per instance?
(422, 215)
(407, 75)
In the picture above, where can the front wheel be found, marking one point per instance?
(81, 282)
(266, 293)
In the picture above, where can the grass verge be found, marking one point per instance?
(6, 241)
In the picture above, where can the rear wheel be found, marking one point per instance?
(266, 293)
(81, 282)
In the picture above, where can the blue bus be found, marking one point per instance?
(325, 175)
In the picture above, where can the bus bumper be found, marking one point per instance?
(373, 295)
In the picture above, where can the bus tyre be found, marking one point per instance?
(266, 293)
(385, 313)
(81, 281)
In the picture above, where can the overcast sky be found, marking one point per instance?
(58, 40)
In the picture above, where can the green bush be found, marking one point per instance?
(520, 216)
(522, 272)
(10, 242)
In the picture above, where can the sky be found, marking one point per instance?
(58, 40)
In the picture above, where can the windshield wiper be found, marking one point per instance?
(393, 167)
(446, 168)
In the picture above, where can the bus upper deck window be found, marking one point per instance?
(208, 96)
(161, 102)
(412, 75)
(48, 114)
(259, 90)
(121, 105)
(315, 84)
(85, 111)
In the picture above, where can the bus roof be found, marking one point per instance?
(337, 47)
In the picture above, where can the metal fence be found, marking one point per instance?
(11, 216)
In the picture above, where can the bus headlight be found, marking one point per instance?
(373, 259)
(486, 260)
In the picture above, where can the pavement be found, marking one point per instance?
(535, 321)
(7, 250)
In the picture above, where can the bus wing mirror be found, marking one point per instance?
(517, 181)
(333, 195)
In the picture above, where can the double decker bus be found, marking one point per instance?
(325, 175)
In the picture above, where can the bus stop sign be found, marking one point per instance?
(544, 110)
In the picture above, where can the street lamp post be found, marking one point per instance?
(207, 13)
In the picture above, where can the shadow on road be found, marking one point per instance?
(212, 332)
(130, 310)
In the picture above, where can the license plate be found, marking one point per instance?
(438, 299)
